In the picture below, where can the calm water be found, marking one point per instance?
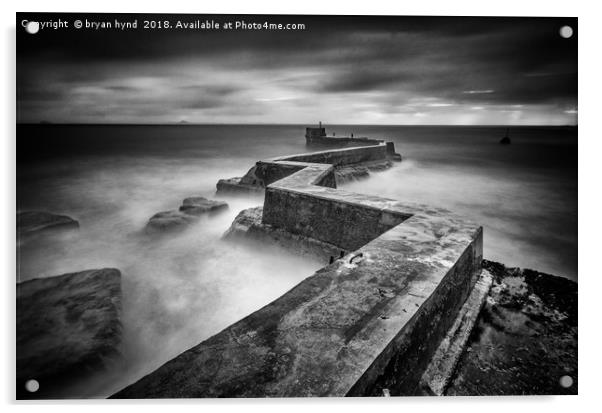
(184, 288)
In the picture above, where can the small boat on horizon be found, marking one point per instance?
(506, 139)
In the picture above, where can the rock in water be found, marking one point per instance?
(198, 205)
(68, 327)
(31, 222)
(505, 140)
(169, 221)
(190, 211)
(244, 220)
(351, 173)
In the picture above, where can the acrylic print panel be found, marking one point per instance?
(295, 206)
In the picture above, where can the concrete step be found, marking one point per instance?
(441, 369)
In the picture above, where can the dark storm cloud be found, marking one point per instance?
(216, 90)
(388, 64)
(524, 63)
(121, 88)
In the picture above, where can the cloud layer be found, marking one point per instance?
(340, 69)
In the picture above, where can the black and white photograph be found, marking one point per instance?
(295, 206)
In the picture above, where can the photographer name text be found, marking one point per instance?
(163, 24)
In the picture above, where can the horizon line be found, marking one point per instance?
(284, 124)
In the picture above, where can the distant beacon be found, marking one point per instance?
(313, 133)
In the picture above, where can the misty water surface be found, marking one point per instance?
(181, 289)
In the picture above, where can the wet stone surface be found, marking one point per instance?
(198, 206)
(525, 340)
(68, 327)
(30, 223)
(189, 212)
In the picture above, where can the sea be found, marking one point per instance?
(182, 288)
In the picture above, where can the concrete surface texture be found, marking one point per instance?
(440, 371)
(371, 320)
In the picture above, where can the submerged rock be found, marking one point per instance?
(248, 226)
(169, 221)
(349, 173)
(525, 340)
(198, 205)
(235, 186)
(32, 222)
(243, 221)
(68, 327)
(190, 211)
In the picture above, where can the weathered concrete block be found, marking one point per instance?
(338, 157)
(441, 368)
(348, 225)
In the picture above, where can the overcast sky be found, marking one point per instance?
(362, 70)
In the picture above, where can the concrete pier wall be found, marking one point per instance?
(341, 218)
(264, 172)
(370, 320)
(348, 225)
(269, 171)
(344, 156)
(400, 366)
(341, 141)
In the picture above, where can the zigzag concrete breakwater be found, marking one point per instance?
(349, 163)
(371, 320)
